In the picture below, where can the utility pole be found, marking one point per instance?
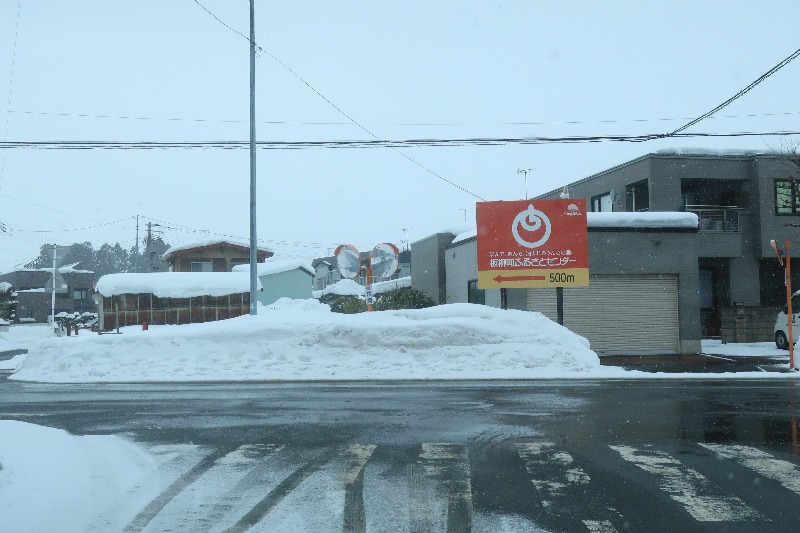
(136, 248)
(253, 237)
(525, 171)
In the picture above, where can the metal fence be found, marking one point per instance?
(716, 217)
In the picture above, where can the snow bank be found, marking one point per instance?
(348, 287)
(304, 340)
(48, 473)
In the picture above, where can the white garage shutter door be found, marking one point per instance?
(631, 315)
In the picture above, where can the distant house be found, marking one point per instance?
(171, 298)
(211, 256)
(282, 279)
(34, 287)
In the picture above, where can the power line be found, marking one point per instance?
(392, 144)
(763, 77)
(10, 92)
(392, 124)
(337, 108)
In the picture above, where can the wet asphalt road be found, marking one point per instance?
(655, 455)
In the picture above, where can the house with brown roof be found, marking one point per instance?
(212, 256)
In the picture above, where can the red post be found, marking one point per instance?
(144, 326)
(789, 304)
(69, 329)
(76, 330)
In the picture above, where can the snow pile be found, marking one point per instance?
(348, 287)
(49, 469)
(22, 337)
(304, 340)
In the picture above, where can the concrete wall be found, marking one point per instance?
(428, 273)
(290, 284)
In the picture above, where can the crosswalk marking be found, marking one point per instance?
(442, 474)
(599, 526)
(765, 464)
(688, 487)
(542, 458)
(355, 519)
(266, 487)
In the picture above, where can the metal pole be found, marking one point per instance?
(560, 305)
(253, 238)
(136, 248)
(53, 295)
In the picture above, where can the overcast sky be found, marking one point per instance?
(168, 71)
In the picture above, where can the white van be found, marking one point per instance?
(782, 324)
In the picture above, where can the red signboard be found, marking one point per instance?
(532, 243)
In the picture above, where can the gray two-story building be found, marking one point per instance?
(657, 286)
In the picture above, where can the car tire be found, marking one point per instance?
(781, 341)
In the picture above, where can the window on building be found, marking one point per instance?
(787, 197)
(637, 196)
(602, 203)
(474, 294)
(80, 294)
(202, 266)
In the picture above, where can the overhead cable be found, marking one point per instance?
(366, 143)
(337, 108)
(763, 77)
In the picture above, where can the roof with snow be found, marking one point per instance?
(679, 220)
(203, 245)
(276, 267)
(176, 284)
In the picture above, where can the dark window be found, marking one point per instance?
(637, 196)
(80, 294)
(474, 294)
(787, 197)
(602, 203)
(773, 282)
(202, 266)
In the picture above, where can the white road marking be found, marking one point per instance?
(446, 478)
(688, 487)
(599, 526)
(539, 457)
(358, 455)
(784, 472)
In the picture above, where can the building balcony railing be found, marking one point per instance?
(716, 217)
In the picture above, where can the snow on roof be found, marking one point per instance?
(624, 219)
(471, 234)
(710, 152)
(210, 242)
(70, 269)
(276, 267)
(644, 219)
(348, 287)
(176, 284)
(5, 286)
